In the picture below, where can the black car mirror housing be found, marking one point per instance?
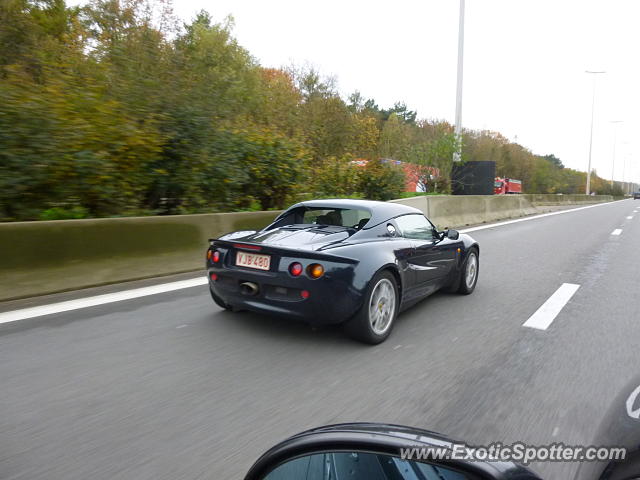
(453, 234)
(358, 447)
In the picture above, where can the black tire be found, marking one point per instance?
(220, 302)
(467, 285)
(360, 326)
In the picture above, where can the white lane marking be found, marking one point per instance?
(532, 217)
(630, 217)
(617, 231)
(99, 300)
(550, 309)
(26, 313)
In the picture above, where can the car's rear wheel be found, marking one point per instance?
(375, 319)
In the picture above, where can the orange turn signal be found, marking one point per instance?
(315, 270)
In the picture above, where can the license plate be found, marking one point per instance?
(253, 260)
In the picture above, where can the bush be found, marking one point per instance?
(335, 177)
(382, 180)
(61, 213)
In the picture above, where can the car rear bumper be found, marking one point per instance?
(330, 300)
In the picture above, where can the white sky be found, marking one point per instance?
(523, 68)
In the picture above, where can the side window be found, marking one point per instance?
(415, 226)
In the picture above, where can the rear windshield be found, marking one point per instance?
(342, 217)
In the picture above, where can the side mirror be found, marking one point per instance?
(369, 451)
(620, 426)
(391, 230)
(453, 234)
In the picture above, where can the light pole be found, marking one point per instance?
(615, 135)
(624, 174)
(624, 169)
(593, 104)
(458, 131)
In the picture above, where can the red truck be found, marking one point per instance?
(503, 186)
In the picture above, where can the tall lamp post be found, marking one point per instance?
(615, 136)
(458, 131)
(625, 185)
(593, 104)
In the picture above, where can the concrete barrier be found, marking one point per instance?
(463, 210)
(38, 258)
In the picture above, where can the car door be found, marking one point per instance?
(431, 259)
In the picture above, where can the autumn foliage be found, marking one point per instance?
(115, 108)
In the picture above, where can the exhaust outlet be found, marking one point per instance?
(248, 288)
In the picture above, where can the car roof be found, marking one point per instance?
(380, 211)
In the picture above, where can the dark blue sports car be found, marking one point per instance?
(355, 262)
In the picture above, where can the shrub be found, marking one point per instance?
(382, 180)
(335, 177)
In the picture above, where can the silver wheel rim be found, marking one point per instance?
(382, 306)
(472, 270)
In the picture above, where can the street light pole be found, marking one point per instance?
(593, 104)
(457, 156)
(615, 135)
(624, 175)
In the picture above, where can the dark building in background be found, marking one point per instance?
(473, 178)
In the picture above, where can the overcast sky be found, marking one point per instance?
(524, 63)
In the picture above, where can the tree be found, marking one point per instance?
(114, 108)
(382, 180)
(395, 139)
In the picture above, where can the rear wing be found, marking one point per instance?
(284, 252)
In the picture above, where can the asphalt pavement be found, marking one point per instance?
(169, 386)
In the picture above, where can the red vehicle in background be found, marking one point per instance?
(503, 186)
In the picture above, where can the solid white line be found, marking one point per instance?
(630, 217)
(99, 300)
(532, 217)
(26, 313)
(617, 231)
(550, 309)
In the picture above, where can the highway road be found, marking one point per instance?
(168, 386)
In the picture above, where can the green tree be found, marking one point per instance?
(382, 180)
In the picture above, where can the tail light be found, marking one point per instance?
(295, 269)
(304, 294)
(216, 256)
(214, 277)
(315, 270)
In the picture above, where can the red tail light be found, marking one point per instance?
(216, 256)
(214, 277)
(304, 294)
(295, 269)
